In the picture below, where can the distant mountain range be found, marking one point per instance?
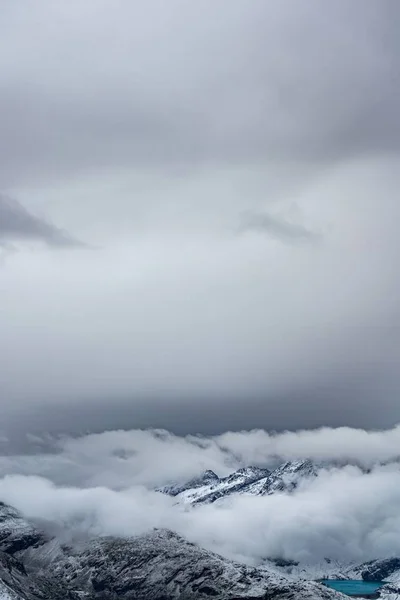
(252, 481)
(161, 565)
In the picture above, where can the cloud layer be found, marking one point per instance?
(255, 81)
(118, 459)
(149, 131)
(178, 322)
(103, 484)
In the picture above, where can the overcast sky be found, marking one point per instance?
(199, 214)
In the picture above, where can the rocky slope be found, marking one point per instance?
(387, 570)
(162, 565)
(159, 565)
(16, 534)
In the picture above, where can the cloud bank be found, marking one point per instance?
(255, 82)
(119, 459)
(103, 485)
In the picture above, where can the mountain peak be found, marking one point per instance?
(208, 477)
(251, 480)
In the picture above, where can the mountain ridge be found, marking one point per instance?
(251, 480)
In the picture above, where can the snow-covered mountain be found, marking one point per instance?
(159, 565)
(249, 480)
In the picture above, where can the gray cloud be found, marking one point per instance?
(252, 83)
(151, 458)
(277, 227)
(178, 323)
(16, 223)
(344, 515)
(147, 131)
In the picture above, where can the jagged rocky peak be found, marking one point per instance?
(248, 473)
(285, 478)
(235, 483)
(251, 480)
(209, 477)
(303, 466)
(206, 478)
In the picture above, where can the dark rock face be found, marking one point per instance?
(283, 562)
(17, 584)
(378, 570)
(16, 534)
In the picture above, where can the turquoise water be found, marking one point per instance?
(353, 587)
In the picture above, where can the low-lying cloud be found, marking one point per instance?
(104, 485)
(18, 224)
(151, 458)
